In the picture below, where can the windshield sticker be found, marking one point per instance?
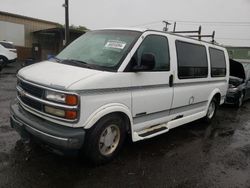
(115, 44)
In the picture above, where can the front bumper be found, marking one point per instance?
(56, 136)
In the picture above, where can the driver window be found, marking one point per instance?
(158, 46)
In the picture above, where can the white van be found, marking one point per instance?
(112, 83)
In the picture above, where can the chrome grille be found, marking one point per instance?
(32, 103)
(33, 96)
(31, 89)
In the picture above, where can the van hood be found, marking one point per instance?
(56, 75)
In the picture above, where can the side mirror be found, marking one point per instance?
(147, 63)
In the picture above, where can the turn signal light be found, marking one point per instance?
(70, 114)
(71, 100)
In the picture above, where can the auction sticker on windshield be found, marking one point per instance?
(115, 44)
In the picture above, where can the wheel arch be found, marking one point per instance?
(215, 94)
(105, 110)
(4, 57)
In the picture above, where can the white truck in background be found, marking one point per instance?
(8, 53)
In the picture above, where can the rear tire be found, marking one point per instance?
(105, 139)
(211, 112)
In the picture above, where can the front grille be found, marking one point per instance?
(33, 96)
(31, 89)
(32, 103)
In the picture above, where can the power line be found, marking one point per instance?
(186, 22)
(148, 23)
(215, 25)
(211, 22)
(232, 38)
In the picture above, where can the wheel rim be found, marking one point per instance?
(109, 139)
(211, 110)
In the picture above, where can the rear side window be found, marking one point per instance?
(218, 62)
(7, 45)
(192, 60)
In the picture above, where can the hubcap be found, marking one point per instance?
(109, 139)
(211, 110)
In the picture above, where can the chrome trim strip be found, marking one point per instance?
(168, 112)
(134, 88)
(36, 130)
(121, 89)
(48, 88)
(199, 82)
(26, 94)
(44, 114)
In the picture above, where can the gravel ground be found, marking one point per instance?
(193, 155)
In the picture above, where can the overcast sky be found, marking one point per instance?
(229, 18)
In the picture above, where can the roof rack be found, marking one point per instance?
(199, 35)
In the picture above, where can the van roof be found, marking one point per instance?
(170, 33)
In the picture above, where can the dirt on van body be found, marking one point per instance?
(193, 155)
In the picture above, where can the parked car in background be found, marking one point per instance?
(239, 83)
(8, 53)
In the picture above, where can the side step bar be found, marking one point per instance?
(153, 130)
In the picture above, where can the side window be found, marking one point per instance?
(192, 60)
(158, 46)
(218, 62)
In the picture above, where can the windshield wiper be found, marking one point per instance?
(84, 64)
(78, 63)
(55, 59)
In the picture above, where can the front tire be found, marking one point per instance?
(3, 61)
(105, 139)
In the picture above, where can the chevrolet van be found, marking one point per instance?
(113, 84)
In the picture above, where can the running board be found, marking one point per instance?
(153, 131)
(165, 127)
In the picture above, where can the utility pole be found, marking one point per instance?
(66, 6)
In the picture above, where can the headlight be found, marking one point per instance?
(68, 99)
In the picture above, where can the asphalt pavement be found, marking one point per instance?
(193, 155)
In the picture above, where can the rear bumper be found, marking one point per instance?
(56, 136)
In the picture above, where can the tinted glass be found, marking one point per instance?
(218, 62)
(158, 46)
(7, 45)
(192, 60)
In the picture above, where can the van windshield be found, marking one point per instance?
(103, 50)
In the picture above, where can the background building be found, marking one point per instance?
(241, 54)
(34, 38)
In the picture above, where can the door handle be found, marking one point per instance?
(171, 80)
